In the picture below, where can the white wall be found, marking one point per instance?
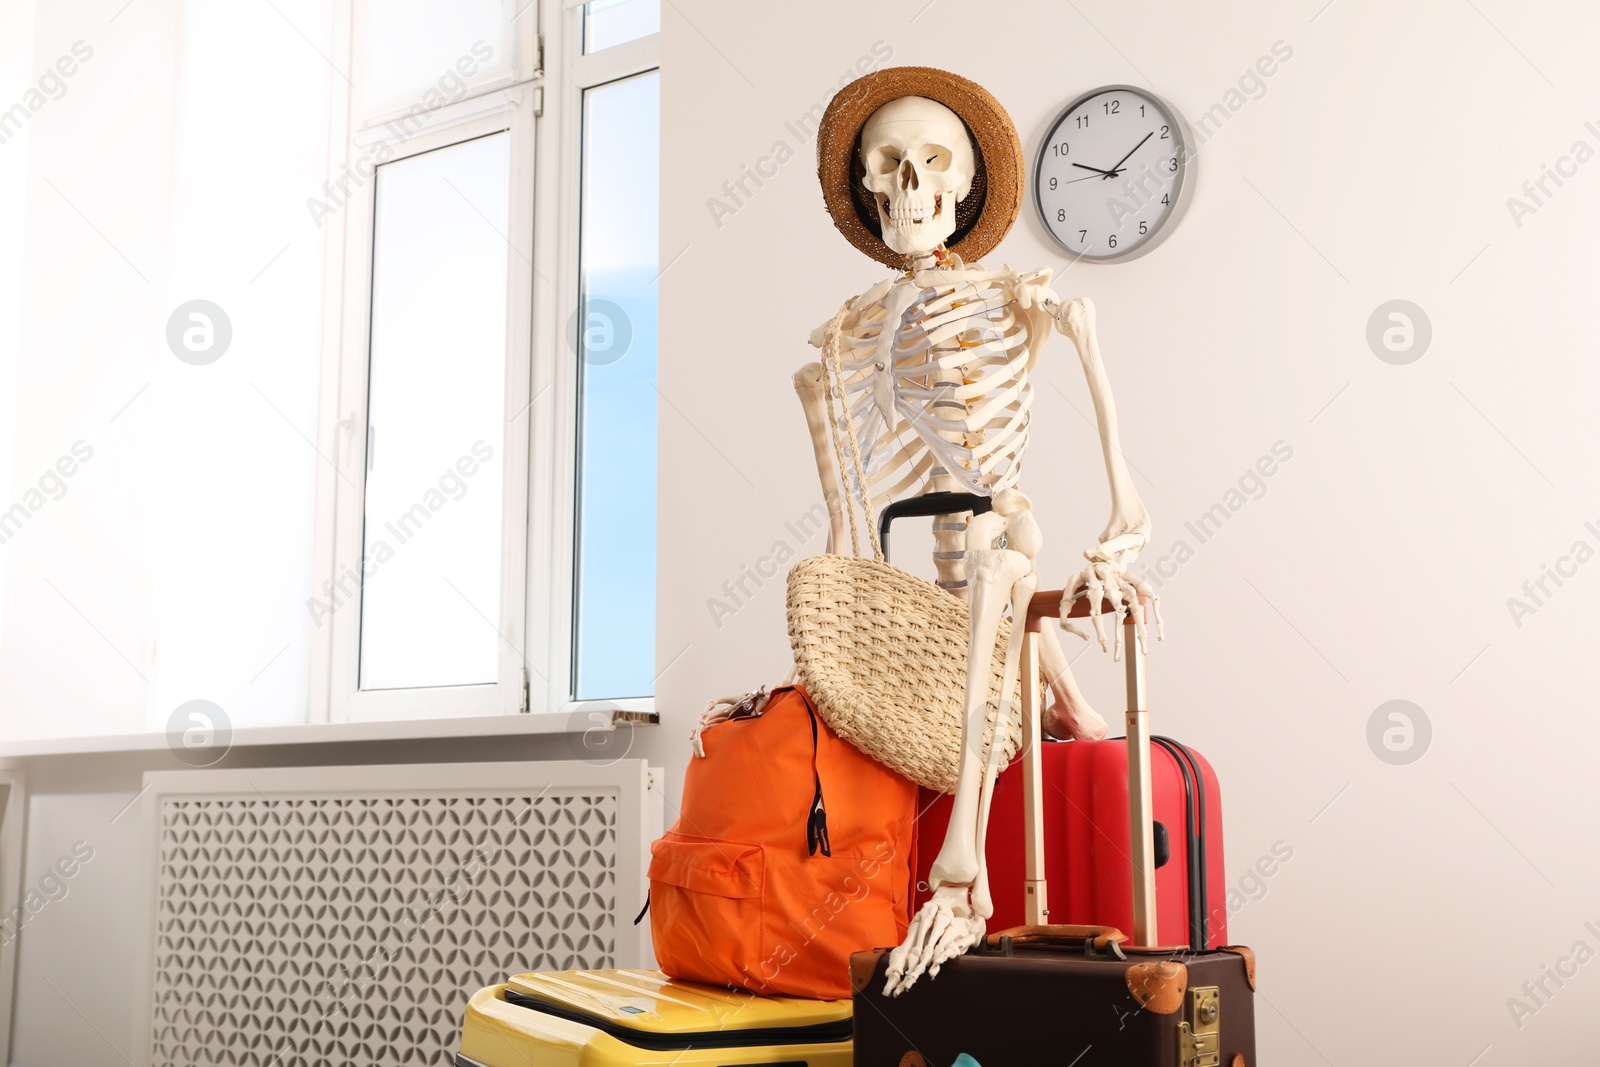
(172, 563)
(16, 63)
(1377, 566)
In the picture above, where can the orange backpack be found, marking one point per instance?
(792, 850)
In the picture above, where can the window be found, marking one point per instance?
(607, 23)
(411, 46)
(491, 541)
(435, 394)
(617, 347)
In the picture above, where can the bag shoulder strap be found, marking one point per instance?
(833, 385)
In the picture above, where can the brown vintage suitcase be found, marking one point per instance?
(1078, 996)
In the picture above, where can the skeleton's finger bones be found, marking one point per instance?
(1096, 590)
(1130, 595)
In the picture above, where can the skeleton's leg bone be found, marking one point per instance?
(810, 384)
(1070, 717)
(947, 925)
(1021, 594)
(991, 575)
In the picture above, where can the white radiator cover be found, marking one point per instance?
(344, 914)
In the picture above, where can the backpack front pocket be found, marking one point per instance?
(706, 902)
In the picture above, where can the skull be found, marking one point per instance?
(919, 163)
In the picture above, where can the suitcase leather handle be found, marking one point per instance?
(1101, 938)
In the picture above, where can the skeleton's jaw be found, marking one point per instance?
(915, 226)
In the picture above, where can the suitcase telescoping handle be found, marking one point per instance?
(1049, 605)
(1053, 605)
(929, 504)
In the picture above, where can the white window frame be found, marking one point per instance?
(557, 630)
(541, 105)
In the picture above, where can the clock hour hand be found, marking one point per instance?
(1107, 173)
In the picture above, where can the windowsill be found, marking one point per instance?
(533, 725)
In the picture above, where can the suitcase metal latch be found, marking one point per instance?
(1200, 1032)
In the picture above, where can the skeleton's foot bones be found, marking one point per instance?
(945, 928)
(1069, 718)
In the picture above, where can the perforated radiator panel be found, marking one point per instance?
(350, 930)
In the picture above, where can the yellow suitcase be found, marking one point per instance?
(645, 1019)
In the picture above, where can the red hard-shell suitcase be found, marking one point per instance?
(1086, 995)
(1082, 828)
(1086, 833)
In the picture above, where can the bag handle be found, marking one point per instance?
(833, 385)
(1100, 938)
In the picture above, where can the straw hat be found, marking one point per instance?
(982, 219)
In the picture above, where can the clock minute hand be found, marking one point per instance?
(1131, 151)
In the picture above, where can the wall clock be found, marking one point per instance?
(1114, 174)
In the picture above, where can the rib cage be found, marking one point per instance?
(956, 385)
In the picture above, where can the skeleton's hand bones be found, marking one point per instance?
(1106, 581)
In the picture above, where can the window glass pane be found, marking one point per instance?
(610, 22)
(436, 408)
(620, 228)
(424, 53)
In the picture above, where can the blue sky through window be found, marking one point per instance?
(620, 228)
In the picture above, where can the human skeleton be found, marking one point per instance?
(935, 382)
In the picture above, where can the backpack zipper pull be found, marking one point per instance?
(817, 823)
(817, 827)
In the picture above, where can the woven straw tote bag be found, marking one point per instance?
(882, 652)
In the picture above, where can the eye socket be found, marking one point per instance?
(937, 157)
(883, 161)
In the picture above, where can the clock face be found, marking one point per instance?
(1112, 175)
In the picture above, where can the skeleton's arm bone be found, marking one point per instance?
(1129, 527)
(810, 384)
